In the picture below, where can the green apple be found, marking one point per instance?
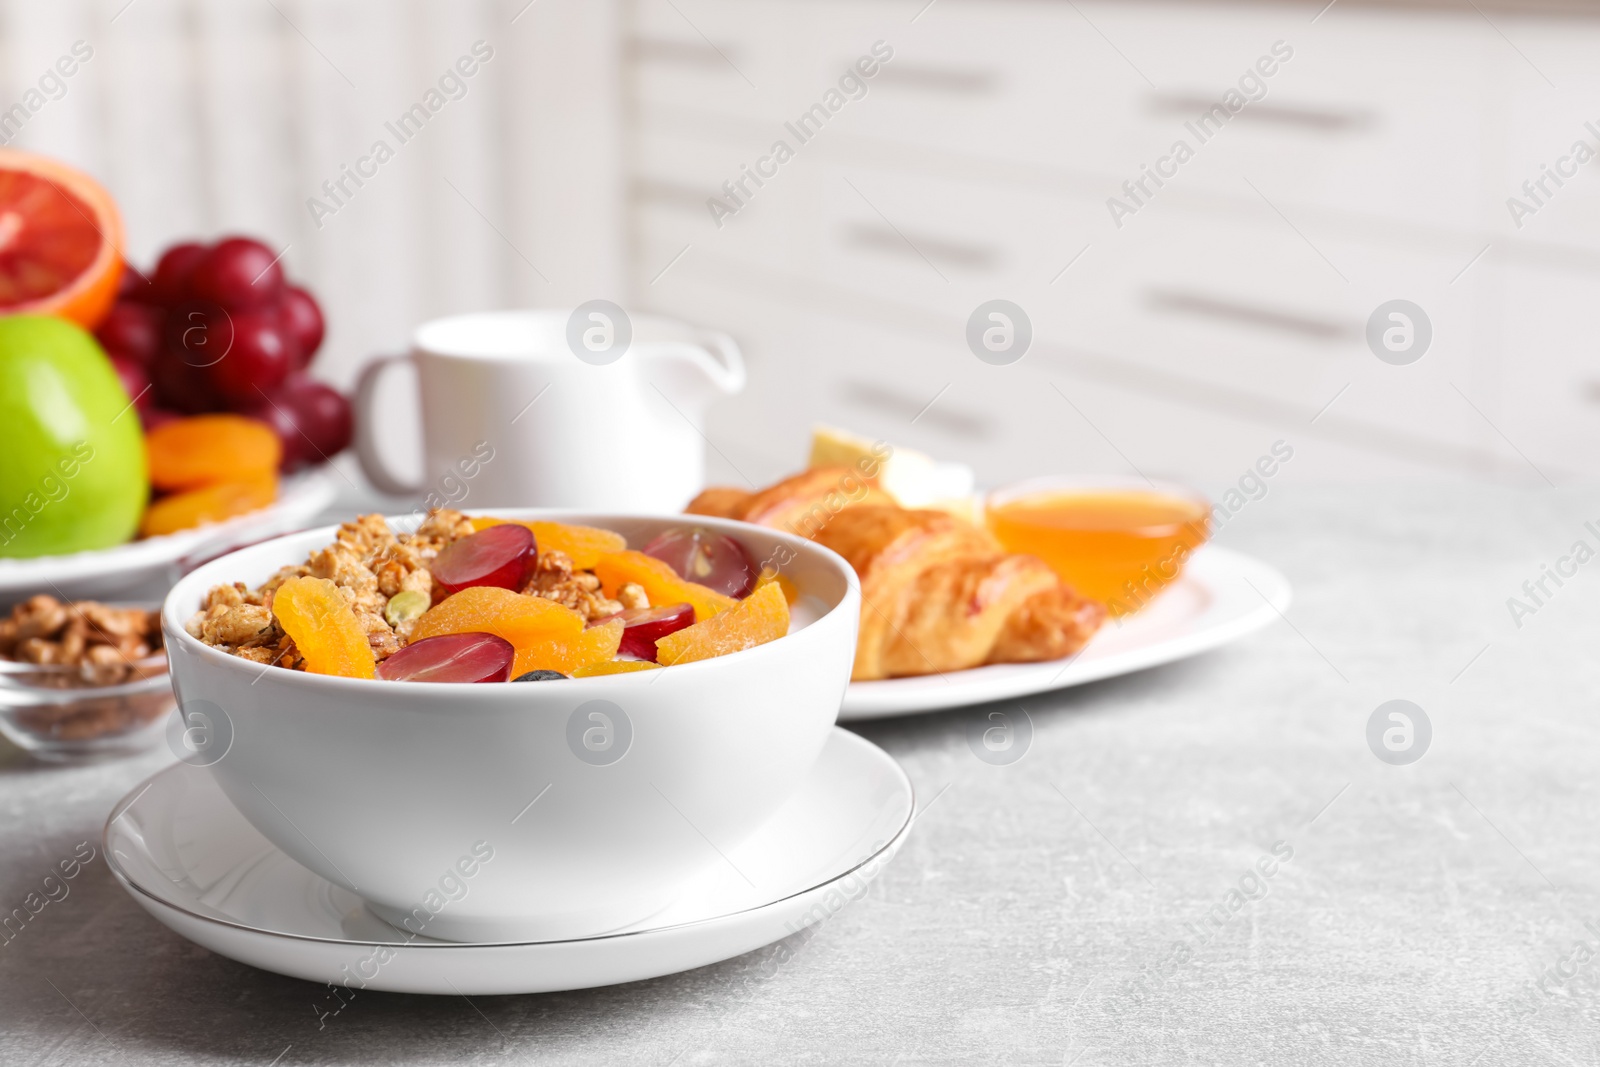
(73, 474)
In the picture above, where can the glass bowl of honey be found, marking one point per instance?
(1118, 541)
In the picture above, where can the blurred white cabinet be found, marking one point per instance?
(1227, 311)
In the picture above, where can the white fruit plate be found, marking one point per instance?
(1221, 596)
(103, 572)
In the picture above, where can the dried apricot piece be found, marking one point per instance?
(615, 666)
(760, 617)
(661, 583)
(546, 635)
(597, 644)
(522, 620)
(791, 592)
(584, 545)
(207, 449)
(324, 627)
(196, 507)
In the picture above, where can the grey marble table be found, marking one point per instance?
(1111, 898)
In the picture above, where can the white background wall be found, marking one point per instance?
(213, 116)
(1225, 315)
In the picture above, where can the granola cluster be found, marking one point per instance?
(106, 643)
(555, 579)
(370, 564)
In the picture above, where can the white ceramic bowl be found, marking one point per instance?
(503, 811)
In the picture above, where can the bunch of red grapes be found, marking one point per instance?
(218, 328)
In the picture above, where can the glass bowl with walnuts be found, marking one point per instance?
(82, 680)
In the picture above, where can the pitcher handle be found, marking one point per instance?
(373, 464)
(727, 365)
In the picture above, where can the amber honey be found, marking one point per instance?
(1119, 546)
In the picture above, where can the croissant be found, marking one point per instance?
(801, 504)
(937, 593)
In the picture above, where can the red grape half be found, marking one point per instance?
(643, 627)
(708, 558)
(500, 556)
(451, 658)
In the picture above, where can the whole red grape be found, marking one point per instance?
(180, 386)
(257, 361)
(169, 284)
(134, 286)
(132, 331)
(200, 331)
(312, 420)
(275, 411)
(323, 413)
(238, 273)
(135, 382)
(302, 318)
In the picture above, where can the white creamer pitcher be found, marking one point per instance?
(583, 409)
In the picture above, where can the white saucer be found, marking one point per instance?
(183, 852)
(1221, 596)
(102, 572)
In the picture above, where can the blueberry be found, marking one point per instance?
(538, 676)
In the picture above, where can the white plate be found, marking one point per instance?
(1221, 596)
(105, 571)
(192, 861)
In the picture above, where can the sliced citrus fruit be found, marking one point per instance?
(60, 241)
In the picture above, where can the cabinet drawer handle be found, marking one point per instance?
(1250, 315)
(893, 242)
(683, 53)
(1324, 120)
(902, 405)
(940, 79)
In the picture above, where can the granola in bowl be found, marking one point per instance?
(393, 775)
(103, 644)
(82, 679)
(483, 599)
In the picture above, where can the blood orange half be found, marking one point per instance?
(60, 241)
